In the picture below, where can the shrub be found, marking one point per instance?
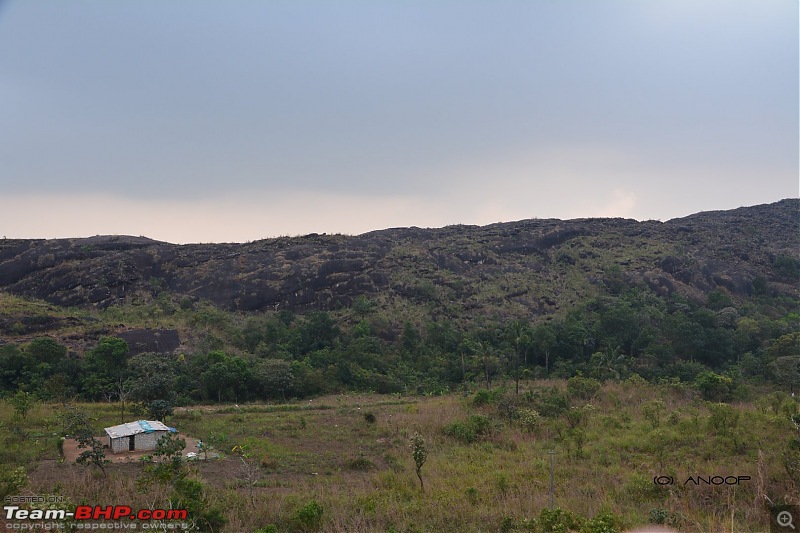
(652, 412)
(582, 388)
(460, 431)
(658, 515)
(529, 419)
(507, 525)
(268, 462)
(603, 522)
(360, 463)
(723, 419)
(369, 417)
(508, 406)
(469, 430)
(486, 397)
(558, 521)
(578, 416)
(308, 517)
(714, 387)
(11, 482)
(640, 488)
(549, 402)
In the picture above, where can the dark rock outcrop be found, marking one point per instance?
(477, 268)
(150, 340)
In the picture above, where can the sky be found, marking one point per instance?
(200, 121)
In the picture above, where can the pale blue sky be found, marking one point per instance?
(230, 121)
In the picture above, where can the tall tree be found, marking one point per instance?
(519, 334)
(544, 339)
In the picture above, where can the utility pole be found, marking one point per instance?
(552, 463)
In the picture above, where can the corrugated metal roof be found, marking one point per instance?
(132, 428)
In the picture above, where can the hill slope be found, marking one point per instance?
(517, 269)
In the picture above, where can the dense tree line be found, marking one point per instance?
(280, 355)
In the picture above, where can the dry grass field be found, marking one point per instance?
(344, 463)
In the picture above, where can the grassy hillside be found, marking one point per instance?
(344, 463)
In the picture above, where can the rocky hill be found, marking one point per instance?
(526, 268)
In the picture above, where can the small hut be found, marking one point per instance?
(141, 435)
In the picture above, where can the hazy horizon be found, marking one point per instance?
(371, 230)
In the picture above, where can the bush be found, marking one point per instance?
(582, 388)
(508, 406)
(653, 410)
(641, 488)
(723, 419)
(603, 522)
(486, 397)
(308, 517)
(558, 521)
(268, 462)
(460, 431)
(369, 417)
(529, 419)
(12, 481)
(469, 430)
(658, 515)
(507, 525)
(549, 402)
(360, 463)
(714, 387)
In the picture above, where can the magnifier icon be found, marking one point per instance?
(784, 519)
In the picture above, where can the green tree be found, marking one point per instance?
(22, 403)
(419, 452)
(152, 376)
(77, 423)
(46, 350)
(520, 335)
(786, 345)
(410, 339)
(714, 387)
(319, 331)
(105, 365)
(15, 368)
(609, 364)
(787, 371)
(159, 410)
(544, 339)
(226, 377)
(275, 377)
(93, 453)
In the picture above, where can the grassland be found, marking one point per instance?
(485, 471)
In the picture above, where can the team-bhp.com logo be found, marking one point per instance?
(94, 512)
(702, 480)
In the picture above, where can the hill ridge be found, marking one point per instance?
(530, 267)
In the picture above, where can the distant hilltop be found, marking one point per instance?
(526, 268)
